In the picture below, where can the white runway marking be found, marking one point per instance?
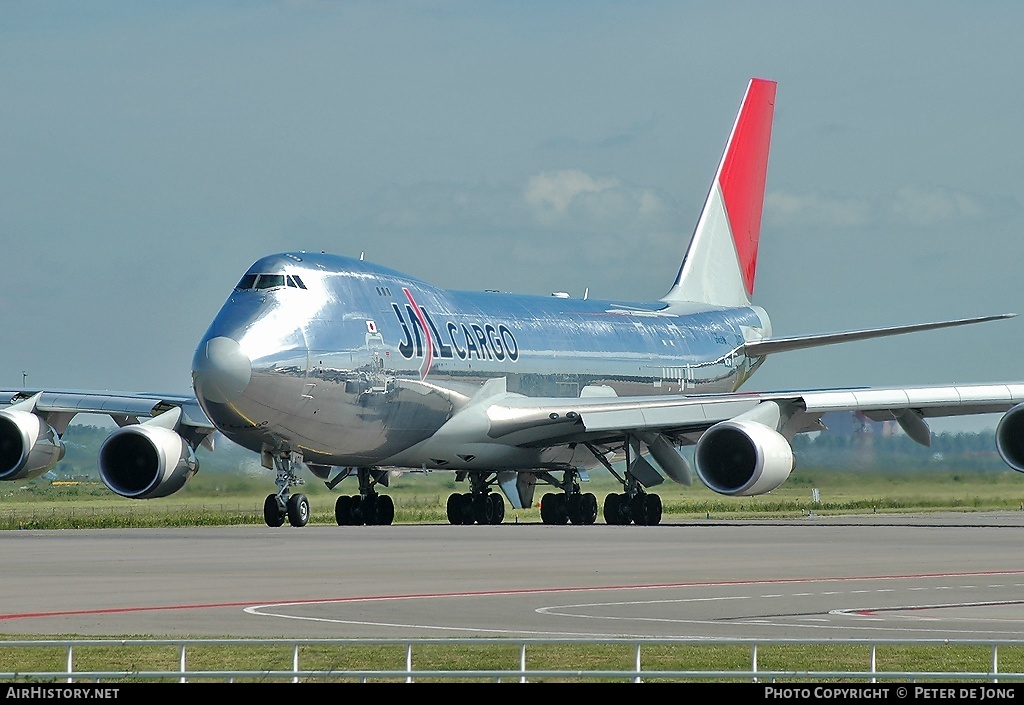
(881, 617)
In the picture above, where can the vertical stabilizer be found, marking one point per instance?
(721, 260)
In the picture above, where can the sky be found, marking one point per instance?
(150, 152)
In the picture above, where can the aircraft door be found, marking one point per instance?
(379, 377)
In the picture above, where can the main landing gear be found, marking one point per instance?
(634, 505)
(569, 505)
(479, 505)
(285, 504)
(368, 507)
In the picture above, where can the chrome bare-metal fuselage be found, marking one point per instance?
(353, 364)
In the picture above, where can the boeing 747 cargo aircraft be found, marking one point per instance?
(350, 370)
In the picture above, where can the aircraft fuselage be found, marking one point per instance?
(352, 364)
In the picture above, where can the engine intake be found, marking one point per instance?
(743, 458)
(144, 462)
(28, 445)
(1010, 438)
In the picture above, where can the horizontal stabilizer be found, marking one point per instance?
(759, 348)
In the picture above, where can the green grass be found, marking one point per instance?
(569, 657)
(222, 499)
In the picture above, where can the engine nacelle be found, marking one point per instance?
(28, 445)
(743, 458)
(144, 461)
(1010, 438)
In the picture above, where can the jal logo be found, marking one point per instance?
(422, 338)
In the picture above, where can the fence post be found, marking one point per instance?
(70, 668)
(295, 663)
(181, 662)
(522, 662)
(753, 662)
(408, 661)
(873, 663)
(636, 658)
(995, 662)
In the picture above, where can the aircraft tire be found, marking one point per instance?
(588, 508)
(343, 510)
(560, 512)
(653, 508)
(365, 510)
(298, 510)
(637, 509)
(460, 509)
(554, 508)
(385, 510)
(272, 514)
(615, 506)
(574, 508)
(483, 510)
(546, 504)
(498, 503)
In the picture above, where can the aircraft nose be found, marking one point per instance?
(220, 370)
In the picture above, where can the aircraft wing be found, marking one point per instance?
(535, 421)
(123, 407)
(743, 440)
(172, 426)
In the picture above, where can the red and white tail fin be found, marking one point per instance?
(720, 262)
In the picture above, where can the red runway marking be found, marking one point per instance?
(485, 593)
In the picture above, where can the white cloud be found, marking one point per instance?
(922, 207)
(551, 193)
(572, 196)
(913, 206)
(816, 210)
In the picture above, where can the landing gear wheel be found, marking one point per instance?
(366, 510)
(498, 504)
(343, 510)
(653, 506)
(645, 509)
(298, 510)
(615, 506)
(582, 508)
(272, 513)
(460, 509)
(588, 508)
(573, 508)
(483, 510)
(554, 508)
(385, 510)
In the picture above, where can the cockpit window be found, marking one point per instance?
(247, 282)
(269, 281)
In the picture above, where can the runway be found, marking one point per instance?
(913, 576)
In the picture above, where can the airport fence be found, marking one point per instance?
(496, 659)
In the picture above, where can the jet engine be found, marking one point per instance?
(743, 458)
(144, 461)
(28, 445)
(1010, 438)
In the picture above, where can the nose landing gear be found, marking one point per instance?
(285, 504)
